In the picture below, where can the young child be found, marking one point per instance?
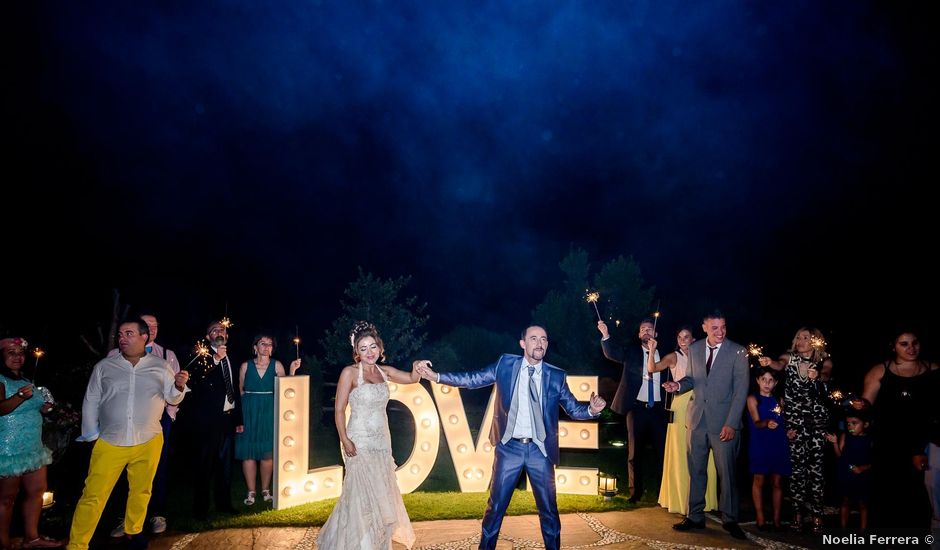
(854, 467)
(768, 449)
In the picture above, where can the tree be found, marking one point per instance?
(567, 318)
(400, 321)
(104, 342)
(474, 348)
(623, 297)
(571, 322)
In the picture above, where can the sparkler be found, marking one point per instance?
(656, 317)
(226, 323)
(846, 399)
(592, 298)
(201, 350)
(777, 410)
(755, 350)
(817, 342)
(37, 353)
(297, 339)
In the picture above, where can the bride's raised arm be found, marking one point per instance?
(402, 377)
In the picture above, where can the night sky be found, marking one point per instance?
(767, 158)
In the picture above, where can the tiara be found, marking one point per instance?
(359, 328)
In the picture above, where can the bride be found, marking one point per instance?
(370, 512)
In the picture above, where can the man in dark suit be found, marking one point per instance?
(639, 398)
(718, 371)
(525, 429)
(211, 417)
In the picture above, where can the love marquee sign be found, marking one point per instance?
(295, 483)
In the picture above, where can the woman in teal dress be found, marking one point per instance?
(23, 458)
(255, 445)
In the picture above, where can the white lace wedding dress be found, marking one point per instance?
(370, 512)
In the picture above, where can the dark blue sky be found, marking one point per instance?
(761, 156)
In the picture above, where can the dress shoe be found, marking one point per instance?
(734, 530)
(688, 525)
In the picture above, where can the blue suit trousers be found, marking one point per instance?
(511, 459)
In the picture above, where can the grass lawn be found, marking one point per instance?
(421, 507)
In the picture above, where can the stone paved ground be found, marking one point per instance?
(641, 528)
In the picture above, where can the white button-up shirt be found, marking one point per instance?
(227, 405)
(643, 394)
(161, 353)
(524, 427)
(124, 402)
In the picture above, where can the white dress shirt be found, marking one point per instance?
(161, 353)
(714, 353)
(524, 427)
(226, 405)
(124, 402)
(643, 394)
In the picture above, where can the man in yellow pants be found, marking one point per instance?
(123, 404)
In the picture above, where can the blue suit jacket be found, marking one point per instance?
(504, 373)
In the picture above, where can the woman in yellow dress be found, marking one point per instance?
(674, 489)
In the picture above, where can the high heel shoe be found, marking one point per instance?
(250, 499)
(266, 495)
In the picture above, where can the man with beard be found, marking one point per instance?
(211, 417)
(639, 398)
(124, 401)
(525, 429)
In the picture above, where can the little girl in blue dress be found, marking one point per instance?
(768, 450)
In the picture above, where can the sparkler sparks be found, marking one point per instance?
(37, 353)
(592, 298)
(297, 341)
(200, 350)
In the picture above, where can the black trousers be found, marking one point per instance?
(645, 425)
(213, 453)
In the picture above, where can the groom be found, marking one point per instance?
(525, 429)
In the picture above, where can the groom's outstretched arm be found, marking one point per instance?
(470, 379)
